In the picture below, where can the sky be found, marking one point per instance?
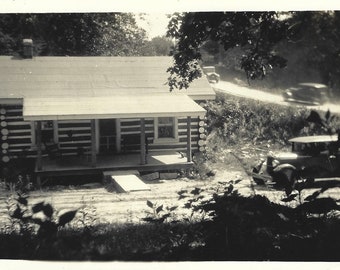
(155, 24)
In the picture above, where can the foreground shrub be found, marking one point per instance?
(221, 225)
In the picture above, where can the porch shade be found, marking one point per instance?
(118, 106)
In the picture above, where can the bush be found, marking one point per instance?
(236, 119)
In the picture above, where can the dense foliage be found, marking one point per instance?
(235, 119)
(227, 226)
(78, 34)
(259, 36)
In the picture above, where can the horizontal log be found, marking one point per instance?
(135, 123)
(19, 123)
(73, 125)
(20, 146)
(135, 132)
(19, 137)
(13, 117)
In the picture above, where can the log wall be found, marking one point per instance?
(18, 136)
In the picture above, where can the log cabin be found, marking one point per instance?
(77, 115)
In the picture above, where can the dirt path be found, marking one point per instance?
(110, 206)
(248, 92)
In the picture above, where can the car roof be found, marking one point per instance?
(315, 139)
(316, 85)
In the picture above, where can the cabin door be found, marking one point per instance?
(107, 136)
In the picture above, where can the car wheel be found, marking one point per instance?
(286, 178)
(258, 181)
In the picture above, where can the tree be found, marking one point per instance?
(321, 39)
(162, 45)
(73, 34)
(257, 34)
(158, 46)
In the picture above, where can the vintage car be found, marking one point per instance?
(211, 74)
(311, 158)
(308, 93)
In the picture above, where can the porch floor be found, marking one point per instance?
(75, 165)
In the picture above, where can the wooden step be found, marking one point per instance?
(127, 181)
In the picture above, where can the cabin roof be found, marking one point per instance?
(75, 77)
(122, 106)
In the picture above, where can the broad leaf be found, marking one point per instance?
(182, 192)
(290, 198)
(230, 189)
(17, 213)
(148, 219)
(313, 196)
(66, 217)
(22, 201)
(149, 203)
(165, 216)
(159, 209)
(182, 197)
(38, 207)
(196, 191)
(48, 210)
(173, 208)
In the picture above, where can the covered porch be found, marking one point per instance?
(119, 107)
(73, 165)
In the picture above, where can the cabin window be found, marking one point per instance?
(49, 132)
(166, 129)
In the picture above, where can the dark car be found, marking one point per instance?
(211, 74)
(311, 158)
(308, 93)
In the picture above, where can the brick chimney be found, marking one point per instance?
(27, 48)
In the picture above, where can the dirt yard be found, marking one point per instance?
(107, 205)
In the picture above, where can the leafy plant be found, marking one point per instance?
(159, 213)
(41, 214)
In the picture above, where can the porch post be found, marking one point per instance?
(39, 151)
(118, 136)
(189, 151)
(93, 143)
(142, 142)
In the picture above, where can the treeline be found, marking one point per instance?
(77, 34)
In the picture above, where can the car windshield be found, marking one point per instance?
(209, 69)
(309, 148)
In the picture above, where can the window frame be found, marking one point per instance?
(172, 139)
